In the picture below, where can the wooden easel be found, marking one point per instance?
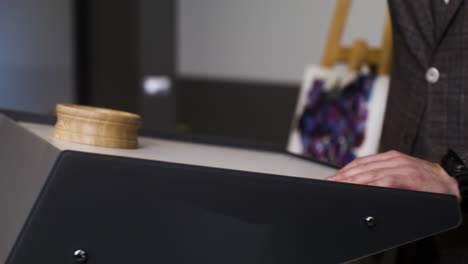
(359, 52)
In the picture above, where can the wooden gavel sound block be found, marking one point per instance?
(97, 126)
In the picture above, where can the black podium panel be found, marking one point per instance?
(125, 210)
(179, 200)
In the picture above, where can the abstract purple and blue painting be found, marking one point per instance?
(333, 122)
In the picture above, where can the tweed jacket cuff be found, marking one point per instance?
(455, 167)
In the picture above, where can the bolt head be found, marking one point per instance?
(370, 221)
(80, 256)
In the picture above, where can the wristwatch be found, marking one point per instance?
(455, 167)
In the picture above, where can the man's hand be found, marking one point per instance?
(396, 170)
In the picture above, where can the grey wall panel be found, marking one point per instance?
(111, 39)
(157, 61)
(256, 111)
(36, 54)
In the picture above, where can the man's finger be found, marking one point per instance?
(364, 178)
(397, 181)
(391, 181)
(390, 163)
(371, 158)
(371, 176)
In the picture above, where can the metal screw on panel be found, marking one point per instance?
(370, 221)
(80, 256)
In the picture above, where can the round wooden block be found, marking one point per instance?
(97, 126)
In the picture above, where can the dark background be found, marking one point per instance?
(118, 46)
(237, 74)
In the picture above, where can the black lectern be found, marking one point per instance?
(180, 201)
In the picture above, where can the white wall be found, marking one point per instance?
(267, 40)
(35, 54)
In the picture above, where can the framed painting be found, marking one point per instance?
(339, 114)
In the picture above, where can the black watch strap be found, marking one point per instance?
(456, 168)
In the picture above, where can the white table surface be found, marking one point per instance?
(198, 154)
